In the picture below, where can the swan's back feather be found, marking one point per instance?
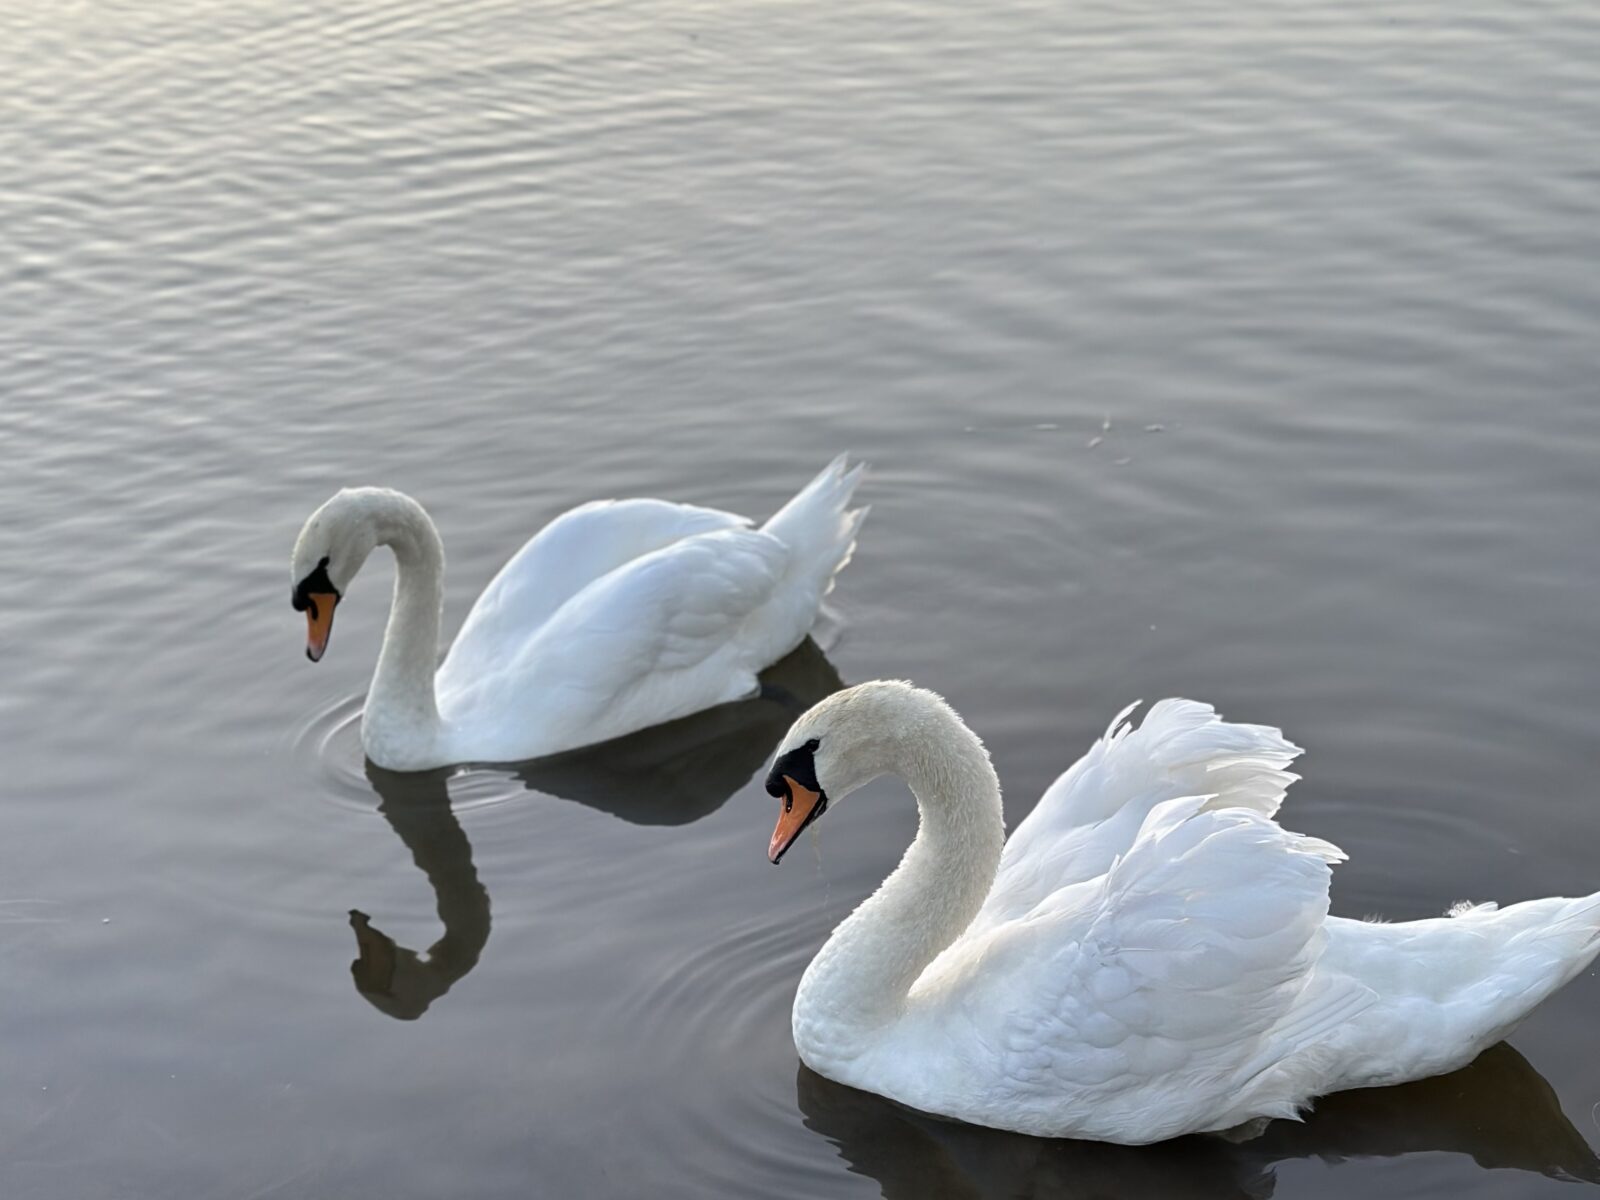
(1124, 1001)
(566, 556)
(1093, 811)
(657, 638)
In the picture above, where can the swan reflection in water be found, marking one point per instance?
(1498, 1110)
(670, 774)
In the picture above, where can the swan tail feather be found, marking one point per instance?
(818, 525)
(1477, 973)
(1539, 946)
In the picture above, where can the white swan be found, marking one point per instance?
(616, 616)
(1150, 954)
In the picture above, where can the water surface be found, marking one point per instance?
(1247, 352)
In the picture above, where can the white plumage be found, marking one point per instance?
(616, 616)
(1150, 954)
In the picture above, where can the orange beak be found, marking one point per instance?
(319, 622)
(800, 807)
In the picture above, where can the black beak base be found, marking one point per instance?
(799, 764)
(316, 582)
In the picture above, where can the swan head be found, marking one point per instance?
(841, 744)
(333, 544)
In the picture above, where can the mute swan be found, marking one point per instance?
(618, 615)
(1150, 954)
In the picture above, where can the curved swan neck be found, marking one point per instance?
(862, 977)
(401, 703)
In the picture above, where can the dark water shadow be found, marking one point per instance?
(679, 772)
(670, 774)
(1499, 1111)
(394, 979)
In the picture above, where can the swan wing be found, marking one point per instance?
(1189, 965)
(1095, 809)
(561, 560)
(657, 638)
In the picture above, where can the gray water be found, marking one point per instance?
(1244, 351)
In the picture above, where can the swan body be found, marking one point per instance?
(618, 615)
(1150, 954)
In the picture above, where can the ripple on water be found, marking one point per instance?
(722, 1010)
(329, 747)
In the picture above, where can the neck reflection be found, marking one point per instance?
(670, 774)
(396, 980)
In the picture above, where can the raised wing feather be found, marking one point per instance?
(1093, 811)
(566, 556)
(1195, 953)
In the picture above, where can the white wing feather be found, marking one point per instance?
(1093, 811)
(654, 639)
(566, 556)
(1192, 958)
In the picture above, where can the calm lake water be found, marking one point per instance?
(1246, 351)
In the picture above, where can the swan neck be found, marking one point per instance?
(401, 703)
(863, 978)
